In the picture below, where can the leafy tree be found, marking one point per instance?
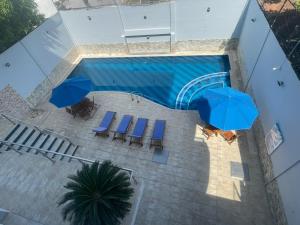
(98, 195)
(17, 19)
(297, 4)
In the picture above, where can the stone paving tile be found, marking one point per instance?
(193, 188)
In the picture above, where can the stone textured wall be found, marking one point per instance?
(102, 49)
(61, 71)
(12, 104)
(272, 189)
(273, 194)
(149, 48)
(213, 46)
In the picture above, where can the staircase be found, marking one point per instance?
(24, 138)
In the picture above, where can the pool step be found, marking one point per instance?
(30, 139)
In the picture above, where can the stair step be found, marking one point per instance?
(26, 136)
(17, 135)
(75, 148)
(33, 140)
(65, 149)
(49, 143)
(31, 137)
(56, 147)
(15, 132)
(11, 132)
(41, 141)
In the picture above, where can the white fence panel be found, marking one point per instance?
(94, 26)
(212, 19)
(49, 43)
(19, 70)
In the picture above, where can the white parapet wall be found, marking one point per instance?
(184, 20)
(31, 61)
(264, 64)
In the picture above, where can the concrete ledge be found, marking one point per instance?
(217, 46)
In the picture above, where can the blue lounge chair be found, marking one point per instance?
(138, 131)
(105, 124)
(158, 134)
(123, 128)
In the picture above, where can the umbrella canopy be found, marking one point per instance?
(71, 91)
(227, 109)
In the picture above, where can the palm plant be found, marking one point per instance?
(98, 195)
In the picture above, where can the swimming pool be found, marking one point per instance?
(173, 81)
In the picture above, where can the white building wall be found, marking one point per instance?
(223, 21)
(152, 19)
(49, 43)
(22, 74)
(35, 56)
(276, 104)
(185, 19)
(94, 26)
(46, 7)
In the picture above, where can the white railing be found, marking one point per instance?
(136, 93)
(201, 88)
(45, 130)
(192, 83)
(45, 152)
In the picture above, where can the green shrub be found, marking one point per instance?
(98, 194)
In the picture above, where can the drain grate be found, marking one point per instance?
(160, 156)
(239, 170)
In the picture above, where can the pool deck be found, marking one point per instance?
(194, 187)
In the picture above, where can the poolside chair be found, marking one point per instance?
(228, 136)
(105, 124)
(138, 131)
(123, 127)
(158, 134)
(209, 130)
(70, 111)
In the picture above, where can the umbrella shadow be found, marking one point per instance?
(204, 109)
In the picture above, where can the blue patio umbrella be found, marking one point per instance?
(71, 91)
(227, 109)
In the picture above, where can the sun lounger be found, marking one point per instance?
(138, 131)
(123, 128)
(105, 124)
(158, 134)
(228, 136)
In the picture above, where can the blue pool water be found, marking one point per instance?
(173, 81)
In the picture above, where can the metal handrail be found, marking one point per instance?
(8, 118)
(80, 159)
(47, 130)
(11, 118)
(147, 97)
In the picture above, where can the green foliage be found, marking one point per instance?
(97, 195)
(5, 9)
(17, 19)
(297, 4)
